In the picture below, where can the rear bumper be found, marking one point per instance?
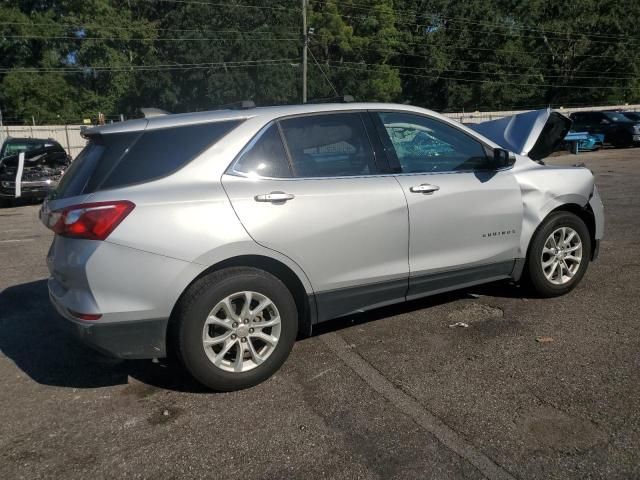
(126, 339)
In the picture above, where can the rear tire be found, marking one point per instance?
(559, 254)
(227, 346)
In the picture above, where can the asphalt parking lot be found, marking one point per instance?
(394, 393)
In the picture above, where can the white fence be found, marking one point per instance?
(477, 117)
(69, 135)
(66, 135)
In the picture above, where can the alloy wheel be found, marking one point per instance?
(241, 331)
(561, 255)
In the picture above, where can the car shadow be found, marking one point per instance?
(31, 335)
(499, 289)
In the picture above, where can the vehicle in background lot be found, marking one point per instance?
(223, 235)
(576, 142)
(634, 116)
(44, 163)
(618, 130)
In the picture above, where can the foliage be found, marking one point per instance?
(64, 60)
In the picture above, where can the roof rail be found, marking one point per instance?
(241, 105)
(341, 99)
(153, 112)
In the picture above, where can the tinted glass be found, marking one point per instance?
(617, 117)
(120, 159)
(93, 163)
(13, 148)
(333, 145)
(158, 153)
(424, 145)
(266, 157)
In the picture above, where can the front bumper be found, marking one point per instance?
(29, 188)
(136, 339)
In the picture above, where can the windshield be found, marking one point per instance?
(14, 148)
(617, 117)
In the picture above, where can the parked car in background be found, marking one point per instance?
(223, 235)
(576, 142)
(635, 116)
(44, 163)
(618, 129)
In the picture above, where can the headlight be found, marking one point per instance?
(636, 129)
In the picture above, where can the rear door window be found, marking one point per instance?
(265, 157)
(328, 145)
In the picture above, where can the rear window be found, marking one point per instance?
(121, 159)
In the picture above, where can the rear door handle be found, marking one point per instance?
(425, 188)
(274, 197)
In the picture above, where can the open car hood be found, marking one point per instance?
(535, 133)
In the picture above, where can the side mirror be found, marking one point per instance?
(502, 158)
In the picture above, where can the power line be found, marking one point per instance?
(443, 17)
(442, 77)
(400, 54)
(141, 39)
(87, 26)
(324, 74)
(226, 5)
(128, 68)
(496, 51)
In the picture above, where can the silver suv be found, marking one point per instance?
(222, 236)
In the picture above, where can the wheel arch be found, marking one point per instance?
(585, 213)
(305, 303)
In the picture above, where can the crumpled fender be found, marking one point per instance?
(544, 189)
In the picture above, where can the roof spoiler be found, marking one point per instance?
(341, 99)
(153, 112)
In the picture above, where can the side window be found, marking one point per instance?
(424, 145)
(328, 145)
(266, 157)
(160, 152)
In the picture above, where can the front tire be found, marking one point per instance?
(559, 254)
(235, 328)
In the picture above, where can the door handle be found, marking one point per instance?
(274, 197)
(425, 188)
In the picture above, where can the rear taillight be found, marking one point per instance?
(92, 221)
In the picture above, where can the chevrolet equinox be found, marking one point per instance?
(222, 236)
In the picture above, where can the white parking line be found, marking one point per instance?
(410, 407)
(17, 240)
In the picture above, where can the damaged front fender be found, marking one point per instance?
(547, 188)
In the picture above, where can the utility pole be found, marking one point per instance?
(305, 39)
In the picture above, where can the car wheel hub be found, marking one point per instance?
(561, 255)
(241, 331)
